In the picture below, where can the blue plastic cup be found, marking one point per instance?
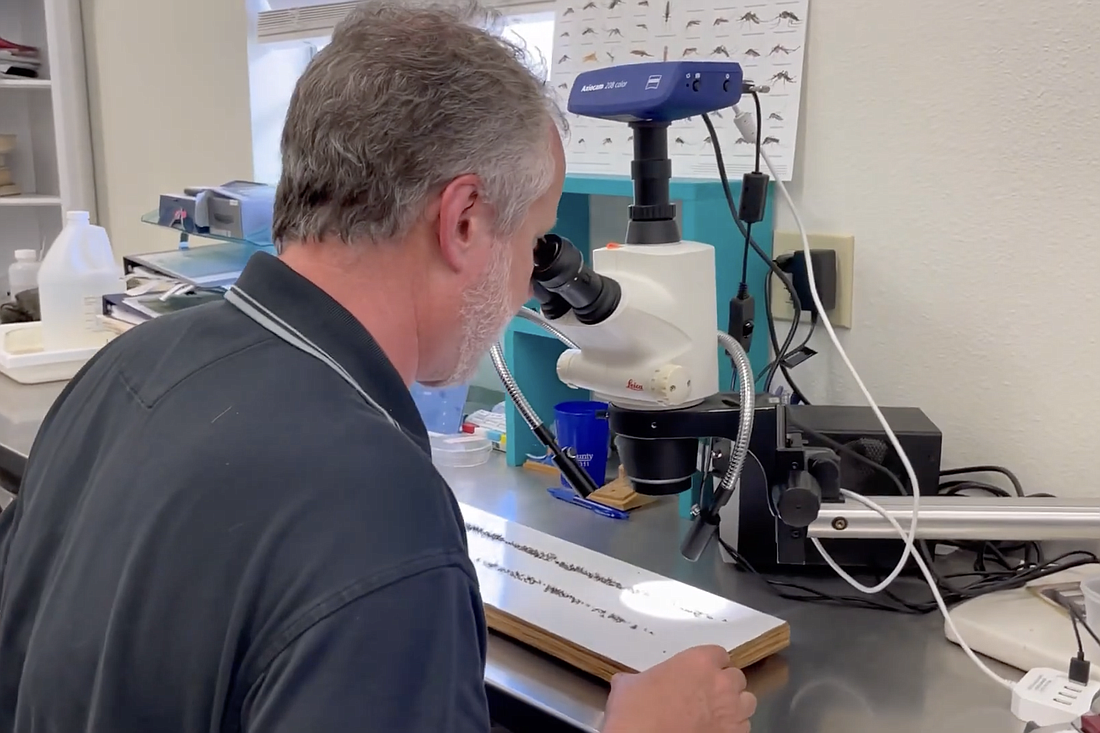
(583, 431)
(441, 408)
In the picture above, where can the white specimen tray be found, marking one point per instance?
(627, 615)
(23, 359)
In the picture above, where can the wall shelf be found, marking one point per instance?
(30, 199)
(704, 217)
(25, 84)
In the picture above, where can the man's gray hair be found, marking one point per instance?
(406, 98)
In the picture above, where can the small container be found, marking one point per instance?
(459, 451)
(1090, 589)
(23, 273)
(441, 408)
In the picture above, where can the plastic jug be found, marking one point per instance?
(23, 273)
(78, 270)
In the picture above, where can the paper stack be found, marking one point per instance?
(8, 186)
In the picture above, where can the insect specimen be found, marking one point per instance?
(590, 5)
(720, 21)
(565, 34)
(783, 50)
(563, 59)
(770, 141)
(610, 56)
(607, 141)
(614, 32)
(668, 10)
(563, 85)
(588, 32)
(750, 18)
(707, 141)
(614, 4)
(680, 141)
(590, 58)
(720, 51)
(740, 141)
(775, 116)
(643, 26)
(692, 23)
(630, 139)
(568, 11)
(689, 52)
(640, 52)
(643, 3)
(788, 16)
(752, 53)
(784, 77)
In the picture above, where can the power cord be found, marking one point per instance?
(784, 352)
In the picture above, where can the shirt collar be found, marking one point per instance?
(314, 314)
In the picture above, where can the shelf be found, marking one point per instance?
(681, 189)
(153, 217)
(14, 83)
(30, 199)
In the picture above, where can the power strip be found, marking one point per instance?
(1048, 697)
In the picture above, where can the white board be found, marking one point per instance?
(629, 616)
(766, 37)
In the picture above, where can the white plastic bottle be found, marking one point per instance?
(78, 270)
(23, 273)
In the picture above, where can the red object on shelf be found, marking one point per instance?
(1090, 724)
(19, 60)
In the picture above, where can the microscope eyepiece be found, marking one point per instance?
(562, 281)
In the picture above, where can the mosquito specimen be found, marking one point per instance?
(590, 58)
(692, 23)
(720, 51)
(786, 15)
(588, 32)
(689, 52)
(783, 50)
(640, 52)
(614, 32)
(784, 77)
(775, 116)
(770, 141)
(750, 18)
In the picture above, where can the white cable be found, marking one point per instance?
(852, 496)
(746, 124)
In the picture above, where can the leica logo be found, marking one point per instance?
(634, 386)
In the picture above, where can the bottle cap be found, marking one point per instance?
(77, 217)
(26, 255)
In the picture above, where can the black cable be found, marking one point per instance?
(962, 471)
(745, 258)
(783, 278)
(759, 129)
(780, 351)
(1076, 615)
(801, 345)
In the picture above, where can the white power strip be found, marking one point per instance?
(1048, 697)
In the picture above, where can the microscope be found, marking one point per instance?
(642, 333)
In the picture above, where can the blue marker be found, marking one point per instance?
(572, 498)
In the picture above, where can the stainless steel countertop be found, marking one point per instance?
(847, 671)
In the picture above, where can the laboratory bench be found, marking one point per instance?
(856, 671)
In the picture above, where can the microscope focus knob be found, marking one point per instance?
(670, 384)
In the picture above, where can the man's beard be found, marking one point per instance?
(485, 313)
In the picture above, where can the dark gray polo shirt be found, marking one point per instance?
(217, 533)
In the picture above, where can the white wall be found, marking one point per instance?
(960, 144)
(169, 94)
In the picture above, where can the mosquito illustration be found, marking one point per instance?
(606, 141)
(643, 26)
(788, 16)
(752, 53)
(750, 18)
(590, 5)
(784, 77)
(614, 32)
(630, 139)
(610, 56)
(720, 51)
(568, 11)
(680, 141)
(565, 34)
(640, 52)
(740, 141)
(614, 4)
(581, 141)
(590, 58)
(783, 50)
(588, 32)
(563, 85)
(720, 21)
(563, 59)
(707, 141)
(692, 23)
(770, 141)
(643, 3)
(689, 52)
(668, 11)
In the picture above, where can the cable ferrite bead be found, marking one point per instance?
(754, 197)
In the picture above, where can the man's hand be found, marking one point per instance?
(695, 691)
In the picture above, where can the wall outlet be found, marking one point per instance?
(845, 248)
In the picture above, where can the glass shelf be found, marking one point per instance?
(153, 217)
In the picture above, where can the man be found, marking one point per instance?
(230, 520)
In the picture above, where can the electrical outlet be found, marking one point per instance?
(845, 248)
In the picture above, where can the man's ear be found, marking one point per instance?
(463, 221)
